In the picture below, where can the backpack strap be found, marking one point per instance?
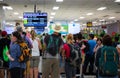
(105, 56)
(114, 56)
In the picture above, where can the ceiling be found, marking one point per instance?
(69, 10)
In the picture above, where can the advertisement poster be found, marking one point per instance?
(73, 28)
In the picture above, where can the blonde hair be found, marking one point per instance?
(69, 37)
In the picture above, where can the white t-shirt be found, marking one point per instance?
(35, 49)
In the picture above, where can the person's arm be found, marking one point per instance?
(30, 43)
(9, 56)
(39, 44)
(98, 54)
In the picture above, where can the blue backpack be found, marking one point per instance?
(108, 61)
(53, 46)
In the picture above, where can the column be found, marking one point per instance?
(2, 18)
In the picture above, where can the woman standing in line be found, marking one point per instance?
(16, 68)
(70, 70)
(34, 61)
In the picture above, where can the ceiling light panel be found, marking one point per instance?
(76, 20)
(82, 17)
(7, 8)
(59, 0)
(89, 14)
(16, 13)
(51, 17)
(53, 13)
(101, 8)
(55, 8)
(20, 17)
(117, 0)
(111, 17)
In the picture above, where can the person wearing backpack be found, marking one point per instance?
(29, 44)
(107, 59)
(70, 70)
(16, 68)
(4, 42)
(53, 44)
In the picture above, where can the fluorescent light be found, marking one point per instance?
(1, 0)
(51, 17)
(7, 23)
(59, 0)
(89, 14)
(20, 17)
(7, 8)
(82, 17)
(94, 22)
(111, 17)
(53, 13)
(102, 20)
(76, 20)
(16, 13)
(84, 24)
(117, 0)
(55, 8)
(101, 8)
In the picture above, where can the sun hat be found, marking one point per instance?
(56, 28)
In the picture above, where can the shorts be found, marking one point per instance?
(34, 61)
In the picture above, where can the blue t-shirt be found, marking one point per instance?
(92, 44)
(15, 52)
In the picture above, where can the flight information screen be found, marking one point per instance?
(34, 19)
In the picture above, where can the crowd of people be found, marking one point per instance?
(100, 57)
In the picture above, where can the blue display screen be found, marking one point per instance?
(34, 19)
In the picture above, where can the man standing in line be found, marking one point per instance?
(89, 55)
(53, 45)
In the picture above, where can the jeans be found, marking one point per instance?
(69, 70)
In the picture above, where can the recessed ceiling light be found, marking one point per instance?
(76, 20)
(7, 8)
(82, 17)
(59, 0)
(53, 13)
(94, 22)
(117, 0)
(84, 24)
(111, 17)
(89, 14)
(102, 20)
(55, 8)
(51, 17)
(101, 8)
(20, 17)
(16, 13)
(7, 23)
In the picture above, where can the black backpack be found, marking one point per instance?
(53, 46)
(75, 55)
